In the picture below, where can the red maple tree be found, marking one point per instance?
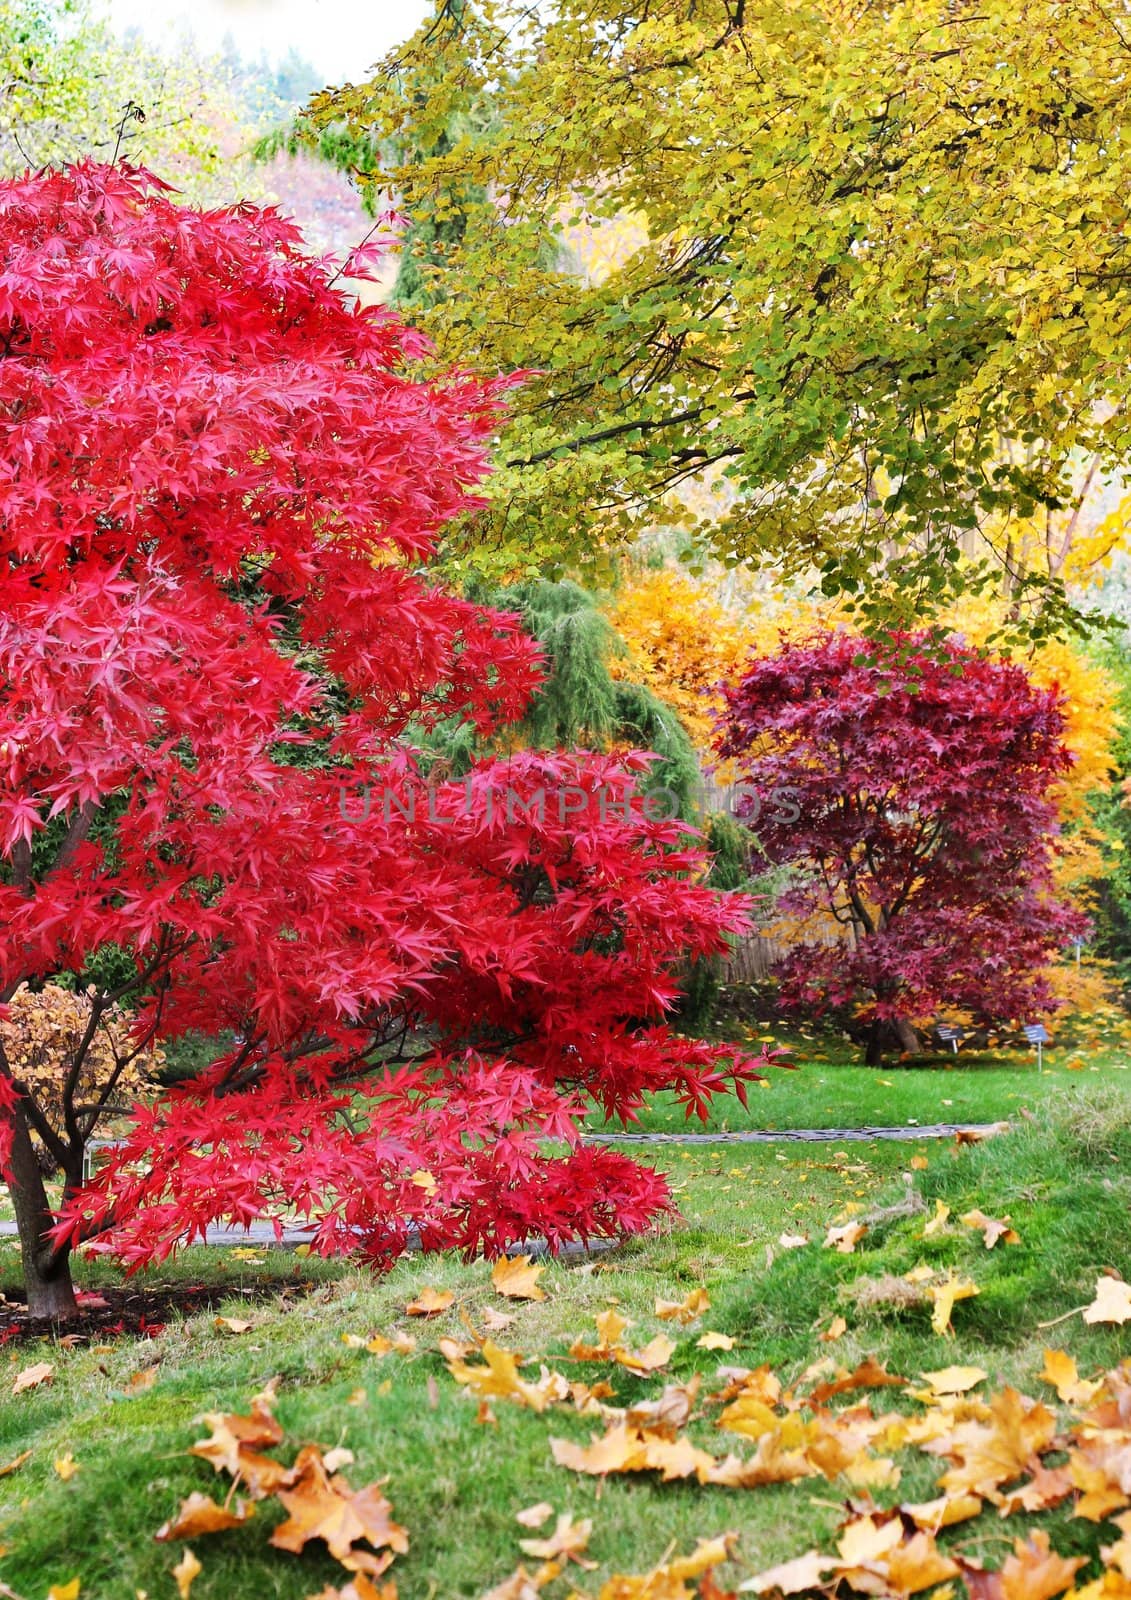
(907, 781)
(220, 484)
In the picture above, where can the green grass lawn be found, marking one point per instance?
(830, 1089)
(456, 1483)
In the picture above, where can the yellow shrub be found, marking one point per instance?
(41, 1036)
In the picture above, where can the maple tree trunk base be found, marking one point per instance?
(49, 1290)
(50, 1297)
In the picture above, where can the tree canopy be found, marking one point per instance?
(220, 488)
(878, 280)
(911, 787)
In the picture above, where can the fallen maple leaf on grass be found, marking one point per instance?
(430, 1303)
(516, 1277)
(32, 1377)
(667, 1582)
(686, 1310)
(992, 1228)
(845, 1238)
(323, 1506)
(499, 1378)
(1112, 1302)
(611, 1327)
(187, 1569)
(199, 1514)
(944, 1296)
(534, 1516)
(1060, 1370)
(568, 1540)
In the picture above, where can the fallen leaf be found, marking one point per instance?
(334, 1460)
(186, 1570)
(868, 1375)
(64, 1591)
(791, 1577)
(793, 1241)
(430, 1303)
(686, 1310)
(200, 1514)
(32, 1377)
(568, 1540)
(1034, 1572)
(845, 1238)
(236, 1444)
(954, 1380)
(516, 1277)
(534, 1516)
(992, 1228)
(1060, 1370)
(140, 1381)
(836, 1329)
(323, 1506)
(938, 1221)
(944, 1295)
(66, 1466)
(519, 1586)
(232, 1324)
(15, 1463)
(715, 1341)
(1112, 1302)
(499, 1378)
(919, 1163)
(496, 1321)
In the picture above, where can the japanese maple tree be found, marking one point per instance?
(908, 781)
(220, 483)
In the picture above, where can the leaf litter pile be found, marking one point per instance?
(1000, 1455)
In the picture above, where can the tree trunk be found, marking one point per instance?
(47, 1275)
(909, 1040)
(890, 1033)
(874, 1049)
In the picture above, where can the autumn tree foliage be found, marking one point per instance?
(220, 485)
(921, 821)
(870, 265)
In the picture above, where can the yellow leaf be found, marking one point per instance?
(232, 1324)
(199, 1514)
(534, 1516)
(568, 1540)
(430, 1303)
(945, 1295)
(686, 1310)
(66, 1466)
(938, 1221)
(1112, 1302)
(845, 1238)
(1060, 1370)
(954, 1380)
(65, 1591)
(715, 1341)
(992, 1229)
(836, 1329)
(516, 1277)
(423, 1179)
(186, 1570)
(15, 1463)
(32, 1377)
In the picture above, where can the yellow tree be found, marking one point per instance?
(873, 243)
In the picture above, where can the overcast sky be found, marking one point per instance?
(341, 38)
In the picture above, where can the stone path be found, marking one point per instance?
(262, 1235)
(929, 1130)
